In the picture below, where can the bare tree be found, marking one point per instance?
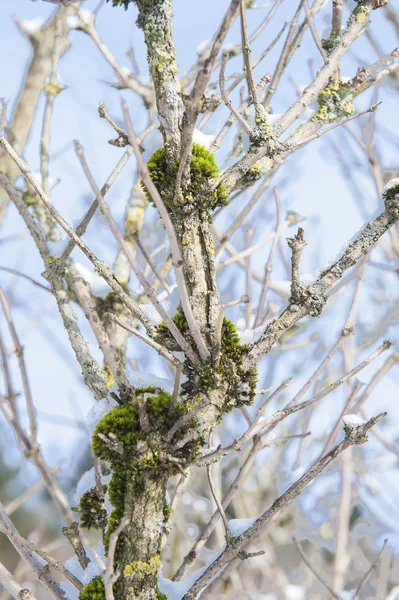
(156, 444)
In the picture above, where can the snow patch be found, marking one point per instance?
(391, 183)
(32, 25)
(353, 421)
(250, 336)
(175, 590)
(97, 285)
(238, 526)
(92, 570)
(203, 139)
(142, 380)
(294, 592)
(97, 411)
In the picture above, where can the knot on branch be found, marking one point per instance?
(355, 433)
(312, 297)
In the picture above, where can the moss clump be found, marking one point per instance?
(94, 590)
(204, 171)
(92, 510)
(135, 455)
(166, 512)
(241, 382)
(335, 102)
(124, 3)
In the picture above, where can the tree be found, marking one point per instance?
(149, 437)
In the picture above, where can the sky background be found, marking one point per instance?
(311, 184)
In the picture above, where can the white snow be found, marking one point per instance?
(204, 47)
(147, 379)
(391, 183)
(175, 590)
(151, 313)
(250, 336)
(72, 564)
(203, 139)
(56, 248)
(85, 483)
(294, 592)
(97, 285)
(86, 15)
(98, 410)
(274, 117)
(52, 181)
(347, 594)
(32, 25)
(238, 526)
(73, 21)
(353, 420)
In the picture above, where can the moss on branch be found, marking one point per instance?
(204, 172)
(228, 369)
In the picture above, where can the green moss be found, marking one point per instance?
(204, 171)
(166, 512)
(135, 455)
(92, 510)
(242, 382)
(335, 102)
(94, 590)
(124, 3)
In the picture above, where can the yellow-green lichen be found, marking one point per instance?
(139, 570)
(203, 173)
(335, 102)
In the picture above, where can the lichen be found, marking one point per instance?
(139, 569)
(335, 102)
(329, 44)
(263, 130)
(203, 174)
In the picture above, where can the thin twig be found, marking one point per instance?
(184, 345)
(157, 347)
(312, 569)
